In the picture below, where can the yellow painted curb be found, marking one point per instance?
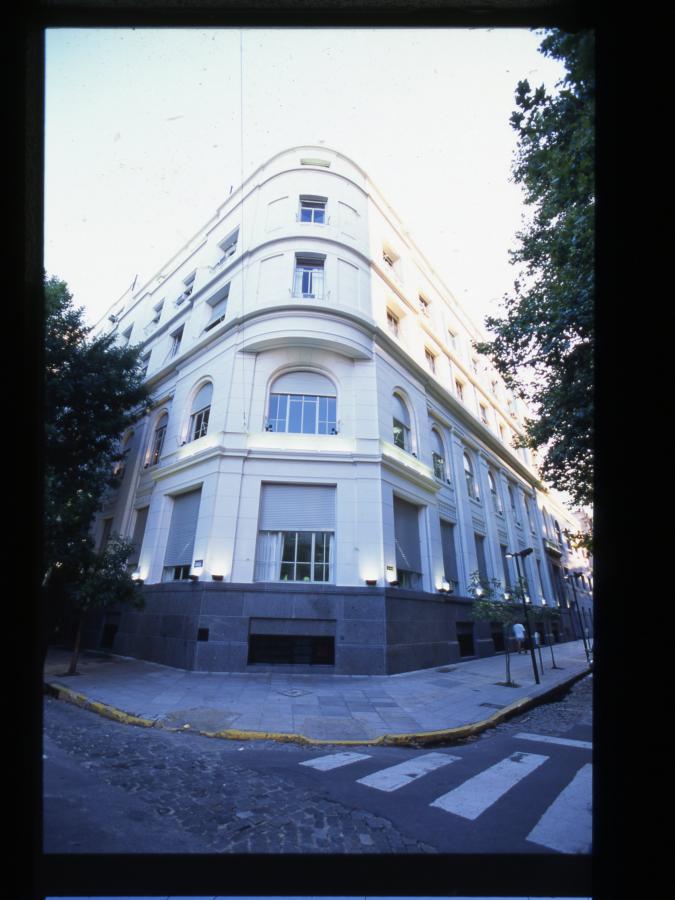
(460, 732)
(110, 712)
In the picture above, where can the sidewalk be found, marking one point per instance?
(433, 705)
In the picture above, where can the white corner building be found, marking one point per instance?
(327, 460)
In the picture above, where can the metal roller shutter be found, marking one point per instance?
(183, 527)
(407, 534)
(297, 507)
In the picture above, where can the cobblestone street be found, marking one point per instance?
(111, 787)
(203, 788)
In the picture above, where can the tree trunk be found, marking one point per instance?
(507, 655)
(72, 669)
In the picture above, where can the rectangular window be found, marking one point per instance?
(452, 339)
(305, 556)
(302, 414)
(483, 414)
(308, 280)
(145, 363)
(176, 338)
(199, 423)
(229, 245)
(157, 312)
(218, 304)
(459, 388)
(424, 305)
(313, 209)
(159, 443)
(407, 541)
(189, 287)
(137, 538)
(505, 567)
(180, 542)
(480, 557)
(105, 533)
(439, 466)
(431, 360)
(449, 552)
(392, 323)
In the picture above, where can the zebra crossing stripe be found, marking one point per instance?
(334, 761)
(567, 824)
(395, 777)
(477, 794)
(564, 742)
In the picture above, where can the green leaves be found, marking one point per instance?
(543, 345)
(93, 392)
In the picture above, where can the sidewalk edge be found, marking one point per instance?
(445, 735)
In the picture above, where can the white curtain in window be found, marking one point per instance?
(268, 556)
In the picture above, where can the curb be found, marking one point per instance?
(424, 738)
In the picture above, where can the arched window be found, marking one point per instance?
(438, 455)
(401, 424)
(125, 449)
(302, 403)
(199, 416)
(494, 493)
(470, 477)
(158, 439)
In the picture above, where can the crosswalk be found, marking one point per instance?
(565, 826)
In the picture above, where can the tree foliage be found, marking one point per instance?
(543, 345)
(93, 391)
(102, 581)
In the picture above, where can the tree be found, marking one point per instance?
(103, 580)
(93, 391)
(545, 616)
(543, 345)
(490, 606)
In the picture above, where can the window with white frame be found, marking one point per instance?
(424, 305)
(158, 439)
(228, 246)
(181, 538)
(189, 283)
(459, 390)
(296, 529)
(392, 323)
(308, 280)
(401, 424)
(431, 360)
(313, 209)
(528, 511)
(452, 338)
(218, 307)
(125, 337)
(494, 493)
(483, 413)
(176, 338)
(469, 475)
(302, 403)
(145, 363)
(157, 312)
(201, 407)
(389, 257)
(438, 455)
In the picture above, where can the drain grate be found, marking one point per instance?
(293, 693)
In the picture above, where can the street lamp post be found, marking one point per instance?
(571, 578)
(517, 556)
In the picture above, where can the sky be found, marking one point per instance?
(146, 130)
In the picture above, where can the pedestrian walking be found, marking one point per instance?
(519, 634)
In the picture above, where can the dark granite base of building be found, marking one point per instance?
(216, 627)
